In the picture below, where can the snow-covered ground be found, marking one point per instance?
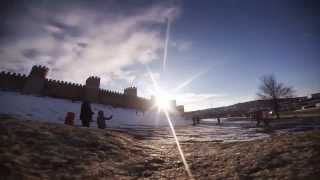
(207, 130)
(54, 110)
(150, 125)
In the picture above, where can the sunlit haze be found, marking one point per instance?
(162, 102)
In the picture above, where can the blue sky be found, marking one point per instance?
(231, 42)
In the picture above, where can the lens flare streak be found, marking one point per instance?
(165, 111)
(178, 144)
(166, 46)
(188, 81)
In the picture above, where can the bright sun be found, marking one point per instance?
(162, 101)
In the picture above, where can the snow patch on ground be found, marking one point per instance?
(54, 110)
(150, 125)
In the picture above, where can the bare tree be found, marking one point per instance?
(272, 90)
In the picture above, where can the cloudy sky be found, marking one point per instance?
(216, 53)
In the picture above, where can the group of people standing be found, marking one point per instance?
(87, 113)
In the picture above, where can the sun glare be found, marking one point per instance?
(162, 102)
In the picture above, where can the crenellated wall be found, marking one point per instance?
(137, 102)
(36, 83)
(12, 81)
(62, 89)
(111, 97)
(123, 100)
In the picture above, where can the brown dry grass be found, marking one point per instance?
(33, 150)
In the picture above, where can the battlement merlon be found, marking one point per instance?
(57, 83)
(7, 74)
(93, 82)
(39, 71)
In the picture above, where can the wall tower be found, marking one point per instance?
(92, 89)
(36, 80)
(131, 91)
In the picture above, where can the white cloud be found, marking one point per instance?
(76, 43)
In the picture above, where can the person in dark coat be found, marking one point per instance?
(198, 120)
(218, 119)
(194, 120)
(101, 120)
(258, 117)
(86, 114)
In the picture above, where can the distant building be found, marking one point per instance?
(315, 96)
(244, 109)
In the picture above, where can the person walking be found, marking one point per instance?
(194, 120)
(265, 118)
(218, 119)
(258, 117)
(86, 114)
(101, 120)
(198, 120)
